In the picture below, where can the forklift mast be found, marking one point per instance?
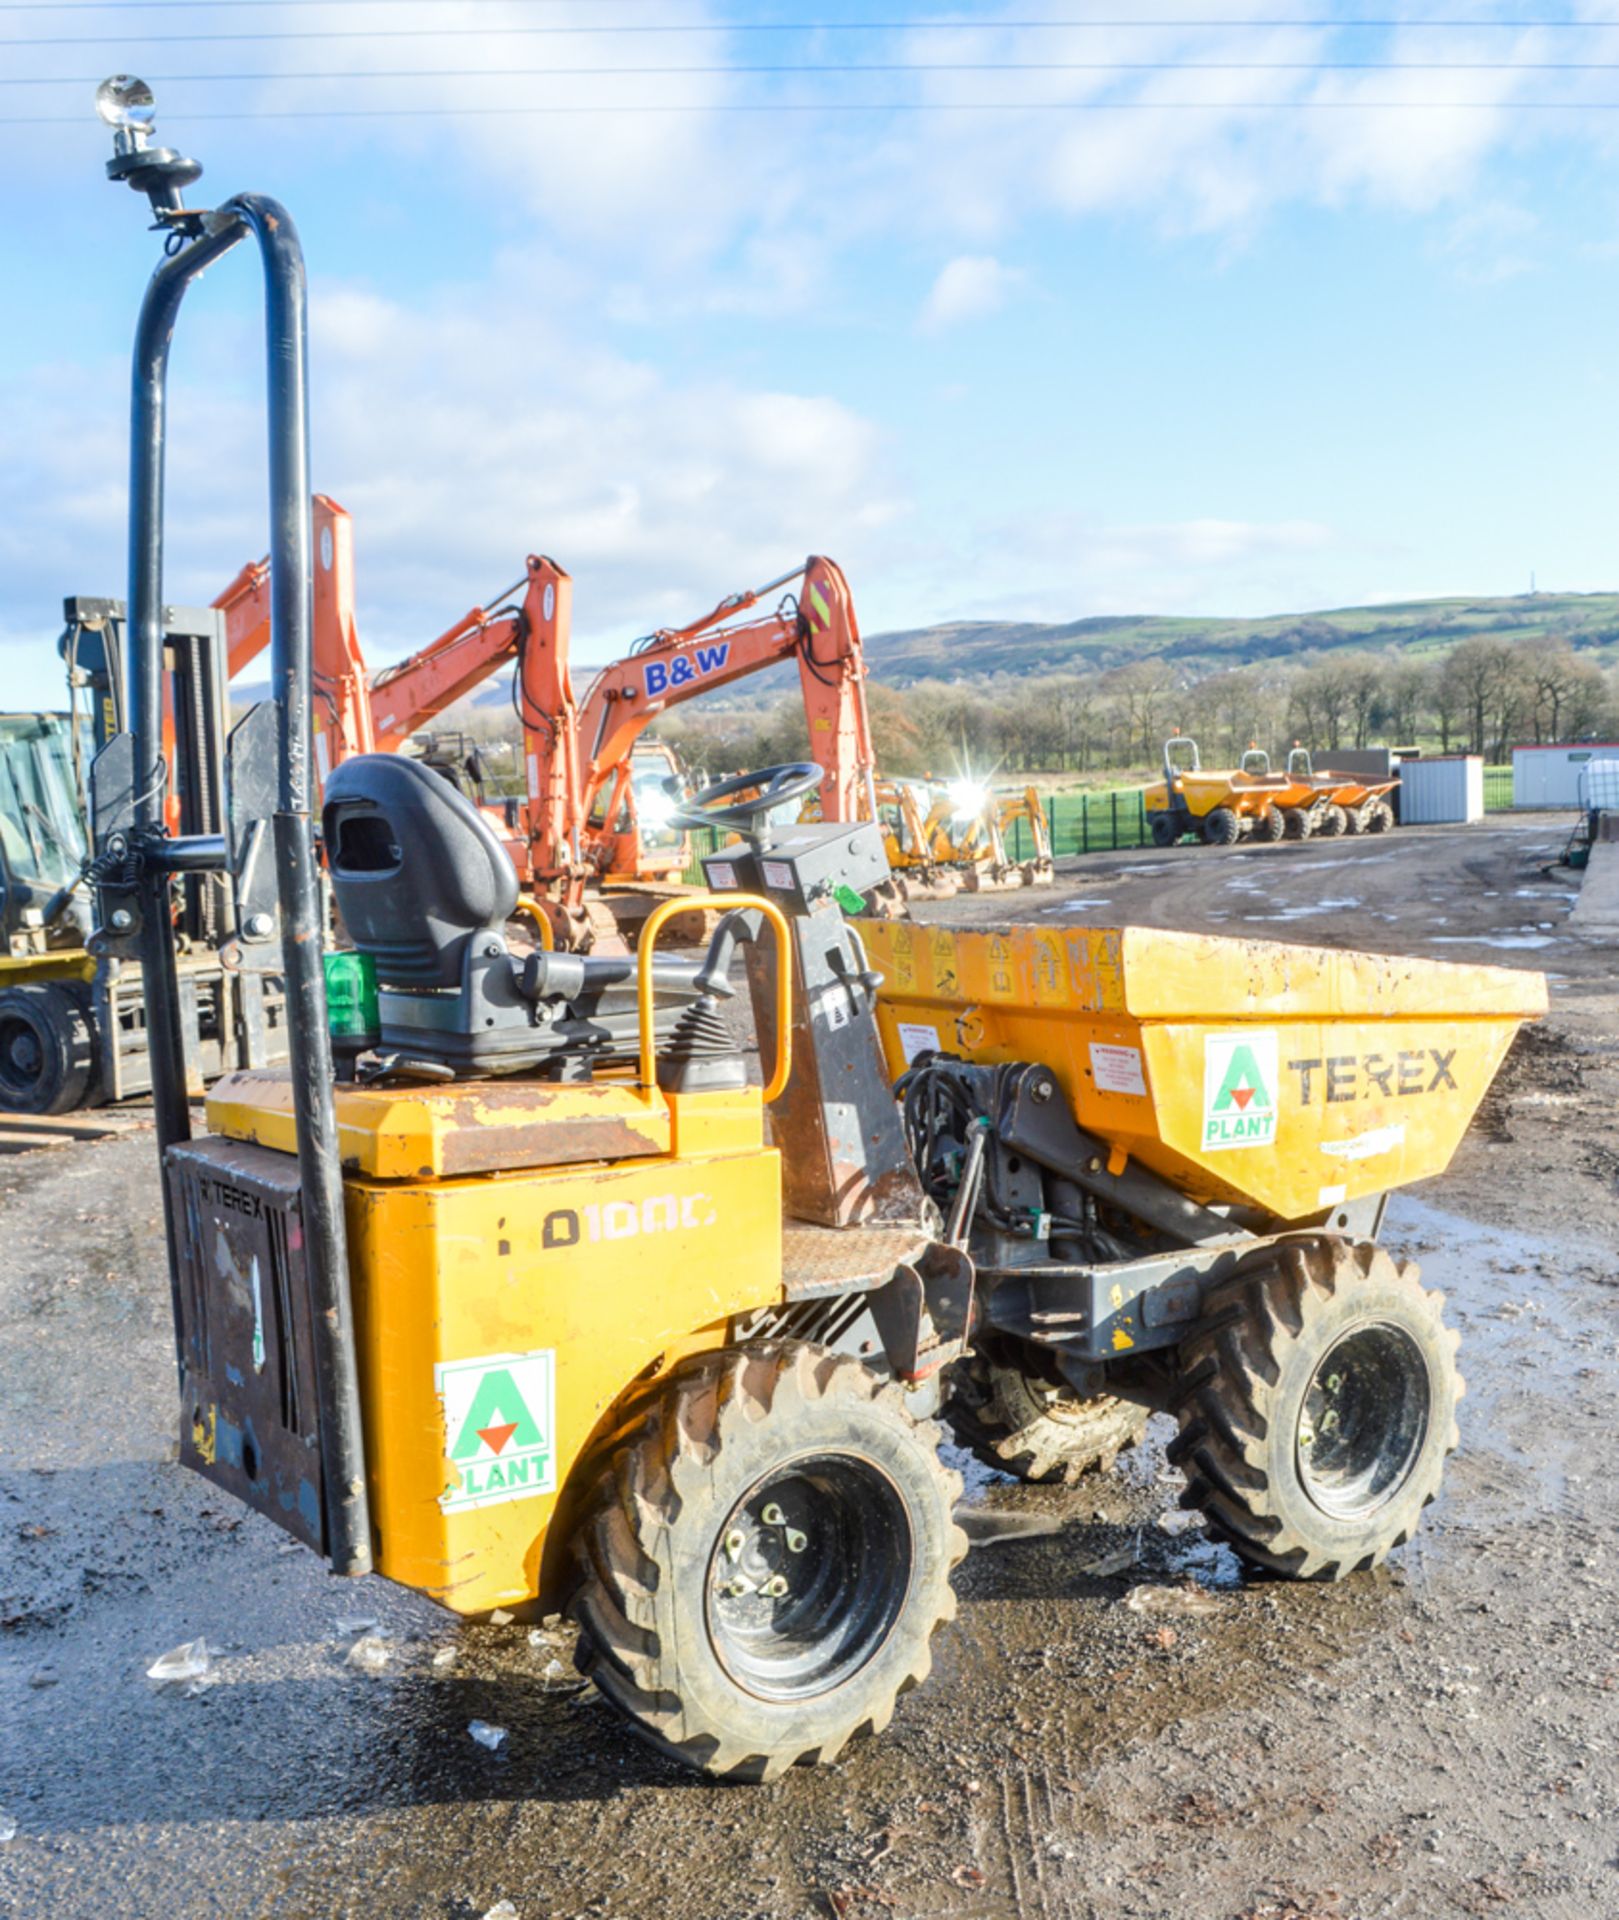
(195, 677)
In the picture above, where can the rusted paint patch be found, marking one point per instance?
(565, 1140)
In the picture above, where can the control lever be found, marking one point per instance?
(572, 976)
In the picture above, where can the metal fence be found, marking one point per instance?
(1497, 789)
(1088, 823)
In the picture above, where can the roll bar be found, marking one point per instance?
(195, 240)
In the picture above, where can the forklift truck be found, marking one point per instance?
(72, 1013)
(514, 1287)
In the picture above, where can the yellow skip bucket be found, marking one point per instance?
(1290, 1078)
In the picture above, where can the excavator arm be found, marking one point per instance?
(343, 723)
(358, 712)
(816, 627)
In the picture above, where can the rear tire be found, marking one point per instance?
(767, 1561)
(47, 1050)
(1164, 829)
(1333, 822)
(1354, 820)
(1272, 824)
(1317, 1407)
(1023, 1425)
(1378, 817)
(1221, 827)
(1296, 822)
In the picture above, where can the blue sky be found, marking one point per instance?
(1301, 346)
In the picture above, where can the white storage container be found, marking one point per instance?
(1442, 791)
(1550, 776)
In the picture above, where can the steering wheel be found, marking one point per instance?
(772, 787)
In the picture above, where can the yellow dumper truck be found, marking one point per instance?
(518, 1288)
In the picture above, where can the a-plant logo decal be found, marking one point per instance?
(1240, 1080)
(500, 1427)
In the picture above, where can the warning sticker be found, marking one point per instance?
(500, 1427)
(914, 1038)
(720, 873)
(1117, 1069)
(1239, 1090)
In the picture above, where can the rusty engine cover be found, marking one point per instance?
(248, 1416)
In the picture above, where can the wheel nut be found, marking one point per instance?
(796, 1541)
(774, 1587)
(735, 1541)
(739, 1586)
(773, 1516)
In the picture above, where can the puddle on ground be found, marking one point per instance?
(1307, 911)
(1506, 941)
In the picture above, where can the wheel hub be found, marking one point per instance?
(807, 1576)
(1363, 1420)
(20, 1053)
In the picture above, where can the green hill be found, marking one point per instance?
(976, 648)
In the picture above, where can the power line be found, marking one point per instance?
(880, 106)
(795, 26)
(881, 66)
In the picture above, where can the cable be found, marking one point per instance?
(879, 106)
(812, 26)
(883, 66)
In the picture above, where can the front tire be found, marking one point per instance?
(47, 1050)
(1317, 1407)
(1333, 822)
(1018, 1423)
(767, 1561)
(1221, 827)
(1378, 817)
(1296, 823)
(1272, 824)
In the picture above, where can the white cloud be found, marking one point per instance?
(462, 435)
(968, 287)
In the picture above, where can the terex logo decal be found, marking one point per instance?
(662, 676)
(500, 1427)
(1391, 1076)
(1239, 1090)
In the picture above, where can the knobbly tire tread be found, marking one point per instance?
(1239, 1368)
(988, 1415)
(664, 1498)
(1297, 823)
(1221, 827)
(1377, 817)
(1272, 825)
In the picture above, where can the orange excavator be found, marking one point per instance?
(576, 831)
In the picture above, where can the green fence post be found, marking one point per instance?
(1141, 817)
(1114, 799)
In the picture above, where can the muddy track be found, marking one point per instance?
(1435, 1739)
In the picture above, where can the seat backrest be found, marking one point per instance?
(417, 870)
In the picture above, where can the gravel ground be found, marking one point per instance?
(1435, 1739)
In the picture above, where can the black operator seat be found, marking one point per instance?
(419, 873)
